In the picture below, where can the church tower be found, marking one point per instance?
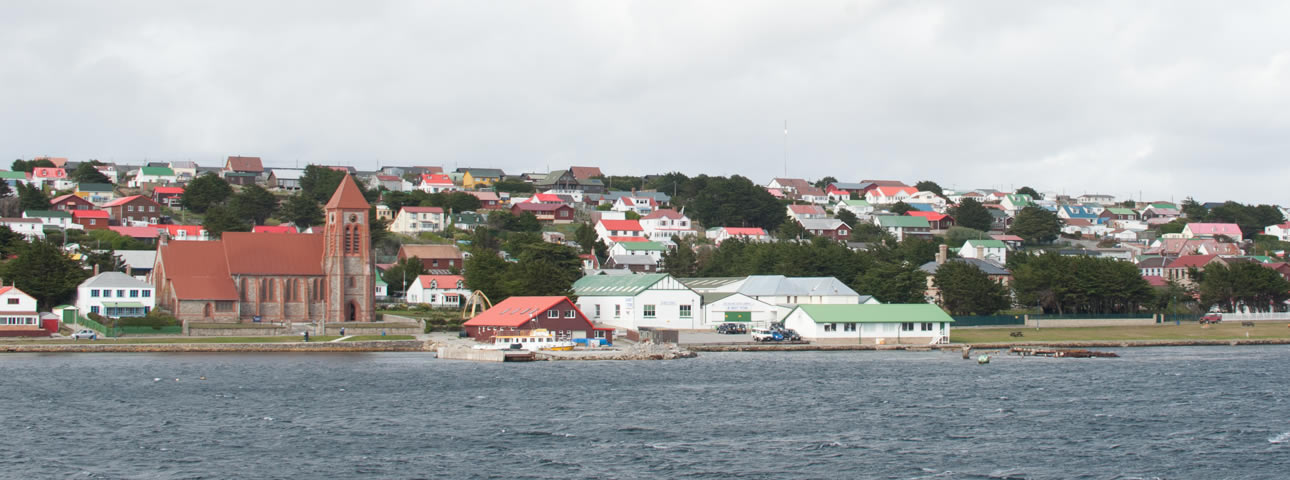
(347, 257)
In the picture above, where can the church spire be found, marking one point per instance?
(348, 196)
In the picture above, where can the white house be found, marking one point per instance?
(634, 301)
(653, 250)
(990, 249)
(52, 218)
(861, 208)
(1013, 203)
(889, 195)
(803, 212)
(920, 323)
(438, 290)
(20, 311)
(153, 175)
(1281, 231)
(414, 220)
(663, 224)
(930, 198)
(640, 205)
(437, 183)
(608, 230)
(30, 228)
(1096, 198)
(115, 294)
(56, 178)
(752, 234)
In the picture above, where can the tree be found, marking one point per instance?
(971, 214)
(10, 242)
(544, 269)
(21, 165)
(43, 271)
(824, 183)
(105, 260)
(1078, 284)
(31, 197)
(204, 192)
(4, 189)
(113, 241)
(681, 261)
(86, 173)
(513, 186)
(966, 290)
(1030, 191)
(900, 208)
(302, 211)
(1036, 225)
(1193, 210)
(320, 182)
(955, 236)
(1243, 284)
(847, 217)
(1174, 226)
(789, 229)
(893, 283)
(486, 271)
(220, 219)
(403, 273)
(869, 233)
(254, 203)
(455, 201)
(930, 186)
(586, 237)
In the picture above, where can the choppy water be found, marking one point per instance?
(1203, 413)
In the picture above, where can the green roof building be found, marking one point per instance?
(644, 300)
(918, 323)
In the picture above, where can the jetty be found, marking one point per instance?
(1060, 352)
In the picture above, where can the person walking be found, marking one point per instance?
(342, 331)
(306, 336)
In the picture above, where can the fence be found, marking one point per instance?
(107, 331)
(1087, 316)
(1178, 318)
(1256, 316)
(988, 320)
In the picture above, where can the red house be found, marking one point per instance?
(168, 196)
(91, 219)
(518, 315)
(70, 203)
(137, 208)
(545, 212)
(938, 221)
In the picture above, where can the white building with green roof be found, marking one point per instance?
(633, 301)
(651, 249)
(918, 323)
(985, 249)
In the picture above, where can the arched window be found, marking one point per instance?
(242, 293)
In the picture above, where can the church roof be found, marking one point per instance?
(348, 196)
(271, 254)
(198, 271)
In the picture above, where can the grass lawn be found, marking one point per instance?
(180, 339)
(1222, 331)
(365, 338)
(567, 229)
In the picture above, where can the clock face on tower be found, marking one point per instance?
(353, 218)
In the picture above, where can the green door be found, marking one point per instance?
(738, 316)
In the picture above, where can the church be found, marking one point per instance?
(264, 277)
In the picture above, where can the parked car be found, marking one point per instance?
(731, 329)
(1212, 317)
(766, 335)
(85, 334)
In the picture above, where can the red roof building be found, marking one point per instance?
(938, 221)
(168, 196)
(274, 229)
(244, 165)
(519, 315)
(70, 202)
(91, 219)
(135, 208)
(545, 212)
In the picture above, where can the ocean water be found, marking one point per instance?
(1204, 413)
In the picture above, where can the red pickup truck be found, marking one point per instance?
(1211, 318)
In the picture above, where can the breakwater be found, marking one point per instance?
(810, 347)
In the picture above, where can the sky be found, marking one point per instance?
(1158, 99)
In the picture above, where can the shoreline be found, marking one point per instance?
(676, 352)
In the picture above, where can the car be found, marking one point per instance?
(85, 334)
(766, 335)
(1212, 317)
(731, 329)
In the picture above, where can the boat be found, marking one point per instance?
(536, 340)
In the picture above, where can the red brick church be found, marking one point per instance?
(246, 277)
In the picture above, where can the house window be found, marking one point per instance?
(94, 309)
(685, 311)
(224, 306)
(649, 311)
(120, 294)
(552, 314)
(618, 310)
(134, 294)
(597, 313)
(926, 327)
(907, 327)
(94, 293)
(571, 314)
(830, 327)
(849, 327)
(13, 301)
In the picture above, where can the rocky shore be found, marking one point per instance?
(639, 351)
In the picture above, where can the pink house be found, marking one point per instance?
(1230, 230)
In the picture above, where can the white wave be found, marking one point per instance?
(1282, 438)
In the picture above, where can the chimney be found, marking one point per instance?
(96, 269)
(942, 253)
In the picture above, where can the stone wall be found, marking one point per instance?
(88, 347)
(368, 328)
(238, 332)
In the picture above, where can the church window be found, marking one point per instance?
(351, 281)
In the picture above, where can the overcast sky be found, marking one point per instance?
(1170, 98)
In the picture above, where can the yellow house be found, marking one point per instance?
(474, 178)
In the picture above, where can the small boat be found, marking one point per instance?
(536, 340)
